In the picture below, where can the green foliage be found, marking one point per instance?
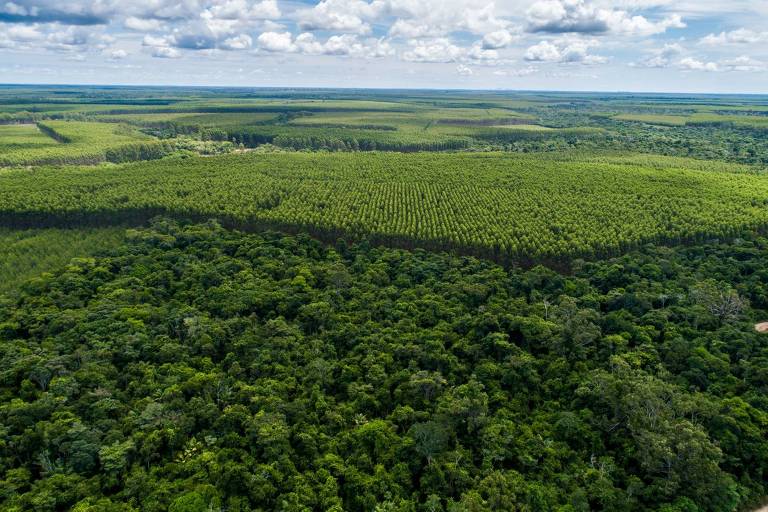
(199, 369)
(709, 127)
(508, 207)
(28, 253)
(70, 142)
(16, 138)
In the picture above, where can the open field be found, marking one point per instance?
(20, 138)
(744, 121)
(664, 120)
(65, 142)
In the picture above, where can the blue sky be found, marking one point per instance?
(611, 45)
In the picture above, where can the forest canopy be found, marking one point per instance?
(195, 367)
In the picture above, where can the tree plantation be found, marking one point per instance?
(507, 207)
(300, 300)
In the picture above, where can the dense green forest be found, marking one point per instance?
(242, 300)
(197, 367)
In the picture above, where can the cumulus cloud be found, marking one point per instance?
(241, 42)
(161, 47)
(165, 52)
(739, 36)
(24, 33)
(675, 56)
(50, 11)
(692, 64)
(341, 44)
(436, 50)
(117, 54)
(581, 16)
(463, 70)
(435, 18)
(222, 25)
(661, 57)
(464, 33)
(242, 9)
(51, 37)
(340, 15)
(564, 51)
(276, 41)
(410, 18)
(412, 29)
(443, 50)
(498, 39)
(743, 63)
(142, 24)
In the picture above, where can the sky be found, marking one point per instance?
(710, 46)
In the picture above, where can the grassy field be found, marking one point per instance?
(664, 120)
(539, 207)
(222, 120)
(745, 121)
(18, 138)
(64, 142)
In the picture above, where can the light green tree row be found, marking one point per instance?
(505, 206)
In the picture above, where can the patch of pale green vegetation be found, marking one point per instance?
(27, 253)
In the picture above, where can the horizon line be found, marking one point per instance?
(344, 88)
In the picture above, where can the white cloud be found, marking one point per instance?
(16, 9)
(435, 50)
(441, 49)
(142, 24)
(582, 16)
(498, 39)
(692, 64)
(661, 57)
(24, 33)
(466, 33)
(117, 54)
(674, 55)
(564, 51)
(276, 41)
(412, 29)
(463, 70)
(480, 54)
(743, 63)
(161, 47)
(165, 52)
(739, 36)
(266, 10)
(340, 45)
(435, 18)
(244, 10)
(241, 42)
(69, 39)
(412, 18)
(340, 16)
